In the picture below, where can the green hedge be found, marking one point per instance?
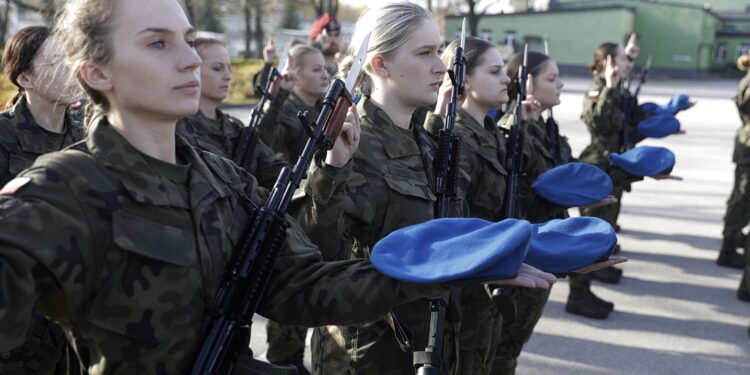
(241, 91)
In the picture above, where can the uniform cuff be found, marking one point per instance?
(325, 181)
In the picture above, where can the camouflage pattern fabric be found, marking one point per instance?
(134, 259)
(738, 204)
(604, 117)
(387, 186)
(22, 141)
(221, 135)
(282, 130)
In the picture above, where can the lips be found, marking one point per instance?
(191, 87)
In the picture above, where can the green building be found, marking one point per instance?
(686, 38)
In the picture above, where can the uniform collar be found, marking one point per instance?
(294, 99)
(140, 180)
(35, 139)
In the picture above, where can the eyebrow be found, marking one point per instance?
(431, 46)
(161, 30)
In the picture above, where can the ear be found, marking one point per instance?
(25, 80)
(378, 65)
(95, 77)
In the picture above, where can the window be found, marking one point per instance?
(720, 53)
(535, 43)
(509, 38)
(457, 34)
(486, 34)
(742, 49)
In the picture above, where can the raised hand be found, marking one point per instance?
(269, 52)
(611, 72)
(530, 107)
(632, 49)
(347, 142)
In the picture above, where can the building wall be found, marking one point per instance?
(571, 36)
(716, 5)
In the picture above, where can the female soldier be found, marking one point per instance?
(738, 208)
(738, 205)
(283, 131)
(215, 131)
(36, 123)
(144, 224)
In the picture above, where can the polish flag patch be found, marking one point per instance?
(593, 94)
(14, 185)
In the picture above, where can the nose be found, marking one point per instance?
(504, 78)
(439, 67)
(190, 60)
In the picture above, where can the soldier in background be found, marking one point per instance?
(738, 204)
(36, 121)
(325, 35)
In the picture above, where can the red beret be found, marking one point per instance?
(325, 21)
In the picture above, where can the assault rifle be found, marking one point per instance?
(629, 105)
(430, 361)
(252, 261)
(514, 163)
(245, 147)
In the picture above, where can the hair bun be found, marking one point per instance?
(743, 63)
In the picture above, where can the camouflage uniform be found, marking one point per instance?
(482, 157)
(22, 140)
(543, 149)
(604, 117)
(738, 205)
(221, 136)
(127, 259)
(389, 187)
(282, 130)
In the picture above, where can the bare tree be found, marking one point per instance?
(325, 6)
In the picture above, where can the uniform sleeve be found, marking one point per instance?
(269, 165)
(321, 212)
(43, 237)
(269, 129)
(309, 292)
(4, 166)
(743, 98)
(602, 113)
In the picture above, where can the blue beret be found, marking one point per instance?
(453, 250)
(677, 103)
(573, 185)
(565, 245)
(645, 160)
(652, 108)
(659, 126)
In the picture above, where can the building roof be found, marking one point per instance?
(732, 16)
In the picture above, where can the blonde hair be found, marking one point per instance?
(299, 54)
(390, 26)
(202, 42)
(743, 63)
(85, 28)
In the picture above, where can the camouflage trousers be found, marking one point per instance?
(738, 207)
(370, 349)
(529, 308)
(284, 342)
(611, 212)
(45, 352)
(481, 329)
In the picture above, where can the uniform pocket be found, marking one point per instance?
(152, 290)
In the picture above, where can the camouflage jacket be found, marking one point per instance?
(127, 261)
(282, 130)
(604, 117)
(387, 186)
(742, 139)
(533, 162)
(221, 135)
(552, 150)
(22, 140)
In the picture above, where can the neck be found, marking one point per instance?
(399, 113)
(153, 137)
(535, 115)
(476, 110)
(49, 115)
(306, 98)
(208, 107)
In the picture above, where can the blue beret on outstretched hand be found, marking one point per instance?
(678, 103)
(645, 161)
(566, 245)
(573, 185)
(659, 126)
(453, 250)
(652, 108)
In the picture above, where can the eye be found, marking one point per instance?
(424, 53)
(159, 44)
(191, 43)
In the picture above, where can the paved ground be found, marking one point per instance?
(676, 311)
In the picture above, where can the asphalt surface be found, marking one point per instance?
(675, 309)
